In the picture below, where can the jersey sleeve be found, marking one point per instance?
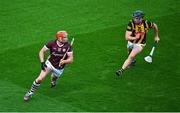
(49, 44)
(129, 26)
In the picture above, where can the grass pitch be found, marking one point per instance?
(89, 84)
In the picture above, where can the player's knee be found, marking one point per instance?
(39, 79)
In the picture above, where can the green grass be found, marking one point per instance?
(89, 84)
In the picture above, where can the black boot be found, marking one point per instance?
(119, 72)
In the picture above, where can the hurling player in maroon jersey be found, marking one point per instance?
(55, 62)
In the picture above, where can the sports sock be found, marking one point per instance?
(122, 70)
(34, 86)
(54, 79)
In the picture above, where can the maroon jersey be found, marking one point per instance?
(57, 52)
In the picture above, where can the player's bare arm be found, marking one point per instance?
(41, 53)
(69, 60)
(129, 37)
(156, 38)
(41, 57)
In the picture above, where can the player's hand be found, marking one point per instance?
(43, 66)
(61, 62)
(138, 35)
(156, 39)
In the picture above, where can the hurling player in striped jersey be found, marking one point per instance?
(136, 36)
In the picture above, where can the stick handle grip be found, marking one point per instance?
(153, 48)
(66, 51)
(152, 51)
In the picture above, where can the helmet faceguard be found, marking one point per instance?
(138, 16)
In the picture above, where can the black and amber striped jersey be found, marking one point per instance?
(142, 29)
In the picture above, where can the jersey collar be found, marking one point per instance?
(59, 43)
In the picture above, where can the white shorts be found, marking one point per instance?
(56, 72)
(133, 45)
